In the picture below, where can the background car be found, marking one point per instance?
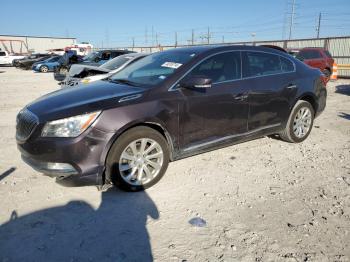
(96, 58)
(86, 74)
(46, 65)
(317, 58)
(27, 63)
(7, 58)
(16, 62)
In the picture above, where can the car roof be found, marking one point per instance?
(218, 48)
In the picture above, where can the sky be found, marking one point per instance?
(121, 23)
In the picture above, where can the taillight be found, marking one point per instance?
(324, 79)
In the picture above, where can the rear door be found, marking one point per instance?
(213, 114)
(272, 82)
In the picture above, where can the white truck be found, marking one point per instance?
(7, 59)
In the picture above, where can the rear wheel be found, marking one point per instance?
(44, 69)
(300, 123)
(138, 159)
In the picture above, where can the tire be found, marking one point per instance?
(44, 69)
(129, 174)
(294, 127)
(327, 73)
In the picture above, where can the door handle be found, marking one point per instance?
(291, 86)
(240, 97)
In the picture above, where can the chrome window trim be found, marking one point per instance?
(174, 88)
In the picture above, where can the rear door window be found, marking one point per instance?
(286, 65)
(220, 67)
(260, 64)
(106, 56)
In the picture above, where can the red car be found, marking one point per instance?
(318, 58)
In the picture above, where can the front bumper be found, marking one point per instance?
(72, 161)
(35, 68)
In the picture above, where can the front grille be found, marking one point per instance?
(26, 124)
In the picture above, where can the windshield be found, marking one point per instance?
(154, 68)
(90, 57)
(52, 59)
(116, 62)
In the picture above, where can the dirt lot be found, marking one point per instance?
(264, 200)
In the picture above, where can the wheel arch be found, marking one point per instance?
(308, 97)
(151, 124)
(44, 65)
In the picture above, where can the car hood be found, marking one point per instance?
(39, 62)
(77, 69)
(92, 97)
(30, 60)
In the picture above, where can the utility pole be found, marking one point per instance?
(157, 39)
(291, 23)
(319, 25)
(223, 39)
(253, 37)
(175, 39)
(208, 36)
(133, 43)
(192, 40)
(146, 33)
(107, 37)
(152, 36)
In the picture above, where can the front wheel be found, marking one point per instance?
(44, 69)
(138, 159)
(300, 123)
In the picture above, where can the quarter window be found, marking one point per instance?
(286, 65)
(260, 64)
(219, 68)
(2, 54)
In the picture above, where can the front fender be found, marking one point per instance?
(152, 113)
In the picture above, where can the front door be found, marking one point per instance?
(214, 114)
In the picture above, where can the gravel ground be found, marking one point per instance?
(264, 200)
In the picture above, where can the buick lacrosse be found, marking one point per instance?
(169, 105)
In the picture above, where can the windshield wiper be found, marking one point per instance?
(122, 81)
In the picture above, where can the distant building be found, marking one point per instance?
(24, 44)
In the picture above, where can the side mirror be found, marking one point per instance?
(196, 82)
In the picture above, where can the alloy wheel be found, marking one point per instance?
(302, 122)
(141, 161)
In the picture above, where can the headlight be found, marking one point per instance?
(38, 65)
(69, 127)
(86, 80)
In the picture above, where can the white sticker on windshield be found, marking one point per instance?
(171, 65)
(162, 77)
